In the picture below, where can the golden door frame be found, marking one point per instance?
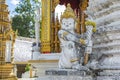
(48, 9)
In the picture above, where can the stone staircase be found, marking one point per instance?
(106, 13)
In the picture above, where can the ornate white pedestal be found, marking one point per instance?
(106, 13)
(35, 55)
(45, 61)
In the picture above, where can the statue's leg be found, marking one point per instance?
(86, 58)
(88, 51)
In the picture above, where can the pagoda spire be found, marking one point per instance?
(7, 39)
(2, 1)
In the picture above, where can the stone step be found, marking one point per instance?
(108, 10)
(107, 51)
(65, 78)
(97, 5)
(27, 79)
(109, 28)
(108, 18)
(108, 78)
(110, 72)
(110, 44)
(106, 37)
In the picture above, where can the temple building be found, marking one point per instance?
(96, 37)
(50, 26)
(7, 39)
(105, 50)
(49, 33)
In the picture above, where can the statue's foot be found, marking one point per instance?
(80, 67)
(84, 68)
(93, 65)
(76, 67)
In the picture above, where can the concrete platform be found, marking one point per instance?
(65, 78)
(27, 79)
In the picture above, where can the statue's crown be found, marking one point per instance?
(69, 13)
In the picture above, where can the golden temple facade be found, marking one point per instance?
(7, 39)
(50, 27)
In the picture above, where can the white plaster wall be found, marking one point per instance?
(22, 50)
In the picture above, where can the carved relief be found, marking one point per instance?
(45, 33)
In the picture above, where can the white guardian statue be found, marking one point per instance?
(68, 39)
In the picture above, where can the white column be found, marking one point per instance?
(36, 48)
(37, 25)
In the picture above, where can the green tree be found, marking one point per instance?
(23, 21)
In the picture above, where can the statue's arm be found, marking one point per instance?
(62, 34)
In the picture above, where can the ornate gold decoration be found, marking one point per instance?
(55, 43)
(43, 61)
(87, 23)
(82, 41)
(12, 77)
(65, 33)
(86, 58)
(69, 13)
(73, 60)
(84, 5)
(45, 29)
(7, 37)
(55, 3)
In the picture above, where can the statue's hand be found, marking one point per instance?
(80, 67)
(65, 33)
(93, 65)
(82, 41)
(62, 34)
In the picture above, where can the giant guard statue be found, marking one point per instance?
(70, 40)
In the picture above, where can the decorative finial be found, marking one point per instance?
(88, 23)
(68, 5)
(69, 13)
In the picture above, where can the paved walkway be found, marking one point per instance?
(27, 79)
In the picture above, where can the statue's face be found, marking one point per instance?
(68, 24)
